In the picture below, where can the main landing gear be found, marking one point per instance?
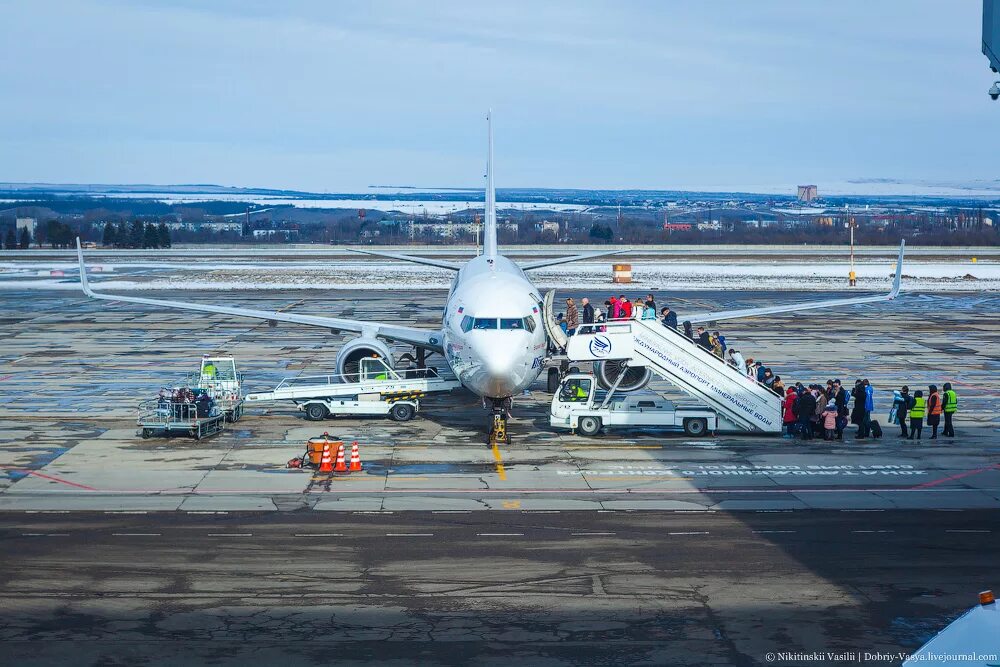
(498, 426)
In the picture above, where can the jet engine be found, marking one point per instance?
(356, 349)
(636, 377)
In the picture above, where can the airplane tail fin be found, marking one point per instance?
(490, 217)
(83, 269)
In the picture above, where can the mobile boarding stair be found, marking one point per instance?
(376, 389)
(741, 403)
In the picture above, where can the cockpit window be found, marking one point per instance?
(485, 323)
(529, 323)
(511, 323)
(467, 323)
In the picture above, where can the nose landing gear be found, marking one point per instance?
(498, 428)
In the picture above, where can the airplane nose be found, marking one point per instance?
(501, 369)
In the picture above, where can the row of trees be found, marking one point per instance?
(17, 241)
(136, 234)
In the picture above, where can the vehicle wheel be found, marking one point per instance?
(696, 426)
(196, 435)
(589, 425)
(553, 380)
(402, 412)
(146, 433)
(316, 412)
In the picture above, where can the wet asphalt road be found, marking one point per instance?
(453, 588)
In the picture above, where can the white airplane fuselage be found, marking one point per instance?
(494, 337)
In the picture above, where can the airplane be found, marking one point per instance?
(494, 333)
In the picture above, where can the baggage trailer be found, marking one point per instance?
(219, 378)
(375, 390)
(576, 406)
(159, 417)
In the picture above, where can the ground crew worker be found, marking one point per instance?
(208, 370)
(852, 278)
(950, 408)
(575, 392)
(917, 414)
(382, 375)
(934, 410)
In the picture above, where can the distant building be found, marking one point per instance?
(807, 193)
(214, 226)
(676, 227)
(29, 223)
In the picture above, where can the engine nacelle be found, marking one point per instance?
(356, 349)
(636, 377)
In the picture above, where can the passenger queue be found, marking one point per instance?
(813, 411)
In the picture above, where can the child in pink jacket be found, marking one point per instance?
(829, 418)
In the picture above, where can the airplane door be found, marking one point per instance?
(555, 332)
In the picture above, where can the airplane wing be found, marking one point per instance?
(809, 305)
(540, 264)
(441, 264)
(431, 340)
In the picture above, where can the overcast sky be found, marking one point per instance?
(336, 96)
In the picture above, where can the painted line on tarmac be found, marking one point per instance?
(872, 531)
(586, 534)
(55, 479)
(167, 493)
(137, 534)
(771, 532)
(967, 473)
(694, 532)
(500, 534)
(958, 530)
(230, 534)
(44, 534)
(318, 535)
(409, 534)
(501, 473)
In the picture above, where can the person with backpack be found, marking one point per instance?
(873, 430)
(934, 410)
(624, 308)
(917, 414)
(950, 408)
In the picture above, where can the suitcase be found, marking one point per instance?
(876, 429)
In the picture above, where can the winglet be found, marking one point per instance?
(83, 270)
(899, 271)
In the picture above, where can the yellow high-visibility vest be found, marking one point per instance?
(919, 407)
(950, 401)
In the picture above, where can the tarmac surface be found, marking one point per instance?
(490, 588)
(236, 582)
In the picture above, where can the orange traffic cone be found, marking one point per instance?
(341, 463)
(355, 457)
(326, 462)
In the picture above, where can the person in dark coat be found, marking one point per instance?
(588, 311)
(858, 411)
(669, 317)
(805, 409)
(687, 330)
(841, 399)
(704, 340)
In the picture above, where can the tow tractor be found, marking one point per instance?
(375, 390)
(219, 378)
(578, 405)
